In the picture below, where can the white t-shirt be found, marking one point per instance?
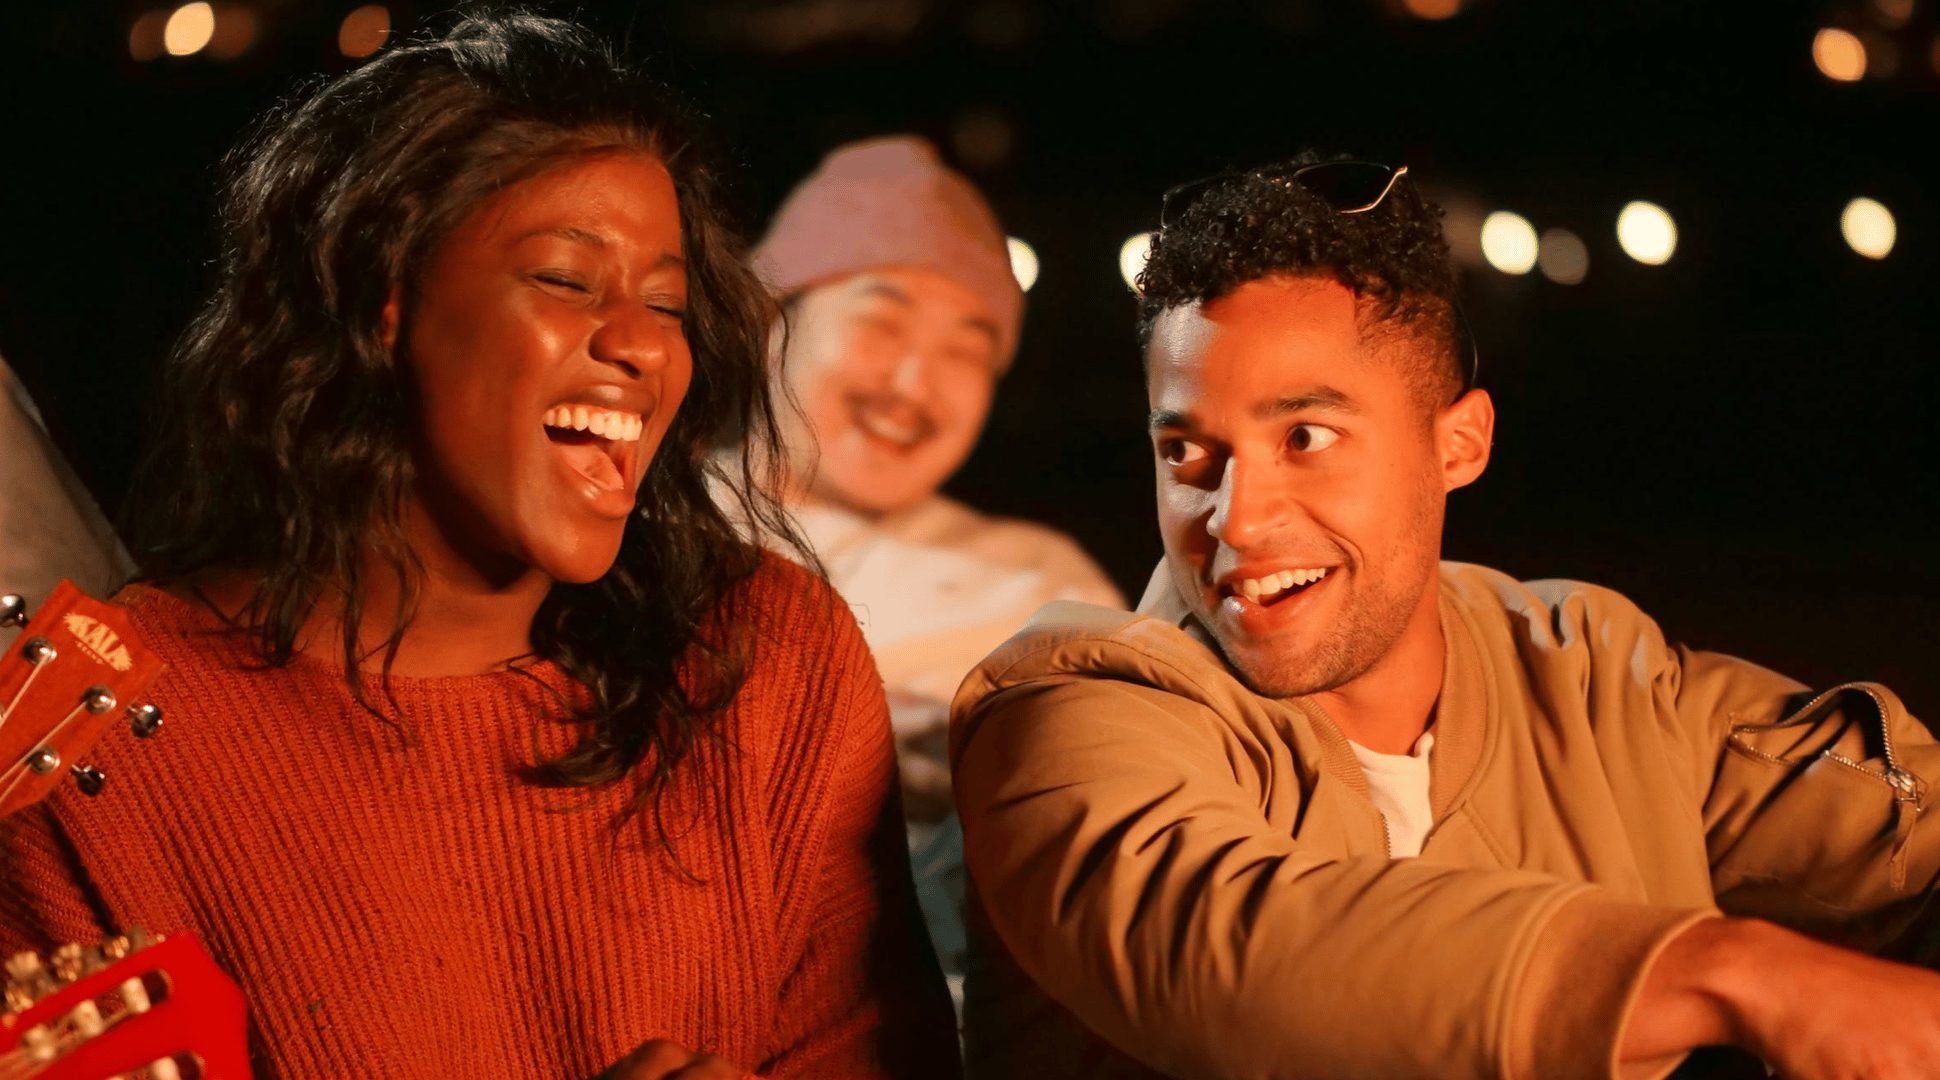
(1398, 784)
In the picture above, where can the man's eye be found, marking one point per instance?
(1308, 438)
(1181, 452)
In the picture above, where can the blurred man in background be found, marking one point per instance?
(901, 315)
(50, 527)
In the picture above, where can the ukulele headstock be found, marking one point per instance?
(75, 667)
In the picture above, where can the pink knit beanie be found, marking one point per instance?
(891, 202)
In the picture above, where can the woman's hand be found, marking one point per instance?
(660, 1059)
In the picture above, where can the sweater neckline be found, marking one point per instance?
(198, 618)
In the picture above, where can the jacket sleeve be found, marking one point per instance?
(864, 997)
(1816, 805)
(1130, 873)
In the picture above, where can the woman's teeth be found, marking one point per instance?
(605, 423)
(1273, 584)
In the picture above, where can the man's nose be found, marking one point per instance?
(1247, 506)
(909, 375)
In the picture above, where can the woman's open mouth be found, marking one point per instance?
(891, 420)
(597, 443)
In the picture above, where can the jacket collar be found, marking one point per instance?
(1464, 712)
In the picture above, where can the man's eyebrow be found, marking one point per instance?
(887, 291)
(1323, 398)
(1160, 419)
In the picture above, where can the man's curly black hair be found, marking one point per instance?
(1255, 225)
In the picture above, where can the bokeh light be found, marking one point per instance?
(235, 32)
(189, 29)
(1432, 9)
(364, 31)
(1023, 263)
(1840, 55)
(1509, 242)
(1893, 13)
(1869, 228)
(146, 36)
(1131, 258)
(1563, 257)
(1647, 233)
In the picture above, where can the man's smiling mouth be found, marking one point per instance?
(891, 419)
(1269, 588)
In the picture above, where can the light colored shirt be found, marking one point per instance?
(938, 586)
(1398, 784)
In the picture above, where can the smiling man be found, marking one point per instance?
(902, 314)
(1329, 807)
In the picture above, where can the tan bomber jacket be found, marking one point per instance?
(1196, 874)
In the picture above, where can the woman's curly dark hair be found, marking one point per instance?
(283, 446)
(1256, 224)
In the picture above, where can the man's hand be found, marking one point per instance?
(1810, 1010)
(659, 1059)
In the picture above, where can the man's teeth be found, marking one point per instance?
(606, 423)
(1254, 588)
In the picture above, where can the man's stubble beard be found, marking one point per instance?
(1367, 630)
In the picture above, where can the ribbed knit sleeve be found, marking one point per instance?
(43, 902)
(864, 996)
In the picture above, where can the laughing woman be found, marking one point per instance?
(492, 752)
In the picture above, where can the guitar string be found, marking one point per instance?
(20, 767)
(21, 693)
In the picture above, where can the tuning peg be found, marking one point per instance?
(98, 699)
(44, 760)
(89, 779)
(39, 650)
(66, 962)
(13, 610)
(144, 719)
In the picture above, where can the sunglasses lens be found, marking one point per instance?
(1346, 185)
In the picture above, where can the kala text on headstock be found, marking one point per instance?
(77, 663)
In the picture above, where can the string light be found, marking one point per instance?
(1869, 228)
(1840, 54)
(1563, 258)
(1131, 258)
(364, 31)
(1647, 233)
(189, 29)
(1023, 263)
(1509, 242)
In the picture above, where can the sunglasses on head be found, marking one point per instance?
(1345, 187)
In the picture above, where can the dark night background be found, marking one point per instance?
(1741, 439)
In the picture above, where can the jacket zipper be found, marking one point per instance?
(1906, 786)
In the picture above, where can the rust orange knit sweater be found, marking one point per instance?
(396, 903)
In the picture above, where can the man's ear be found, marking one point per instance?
(388, 321)
(1464, 433)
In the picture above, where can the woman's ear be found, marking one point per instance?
(1464, 433)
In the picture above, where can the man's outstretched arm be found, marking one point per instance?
(1127, 867)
